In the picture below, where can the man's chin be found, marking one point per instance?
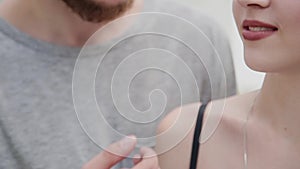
(110, 3)
(94, 11)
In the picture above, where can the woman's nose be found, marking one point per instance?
(255, 3)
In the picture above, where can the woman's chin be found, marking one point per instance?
(256, 65)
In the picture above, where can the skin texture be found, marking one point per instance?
(273, 125)
(260, 55)
(93, 11)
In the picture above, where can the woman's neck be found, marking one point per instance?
(278, 103)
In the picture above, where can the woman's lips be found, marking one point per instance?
(255, 30)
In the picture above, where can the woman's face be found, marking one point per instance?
(270, 30)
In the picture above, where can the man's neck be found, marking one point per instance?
(52, 21)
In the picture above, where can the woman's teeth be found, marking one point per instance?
(259, 29)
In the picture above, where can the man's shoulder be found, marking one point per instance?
(206, 26)
(184, 11)
(6, 38)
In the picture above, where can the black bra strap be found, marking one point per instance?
(198, 128)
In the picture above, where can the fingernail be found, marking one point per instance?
(137, 156)
(136, 159)
(128, 142)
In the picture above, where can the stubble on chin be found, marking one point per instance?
(96, 12)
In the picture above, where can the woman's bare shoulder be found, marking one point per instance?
(175, 132)
(186, 113)
(174, 135)
(235, 107)
(226, 114)
(182, 119)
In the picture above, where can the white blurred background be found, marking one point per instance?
(221, 10)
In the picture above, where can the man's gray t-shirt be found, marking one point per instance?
(39, 127)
